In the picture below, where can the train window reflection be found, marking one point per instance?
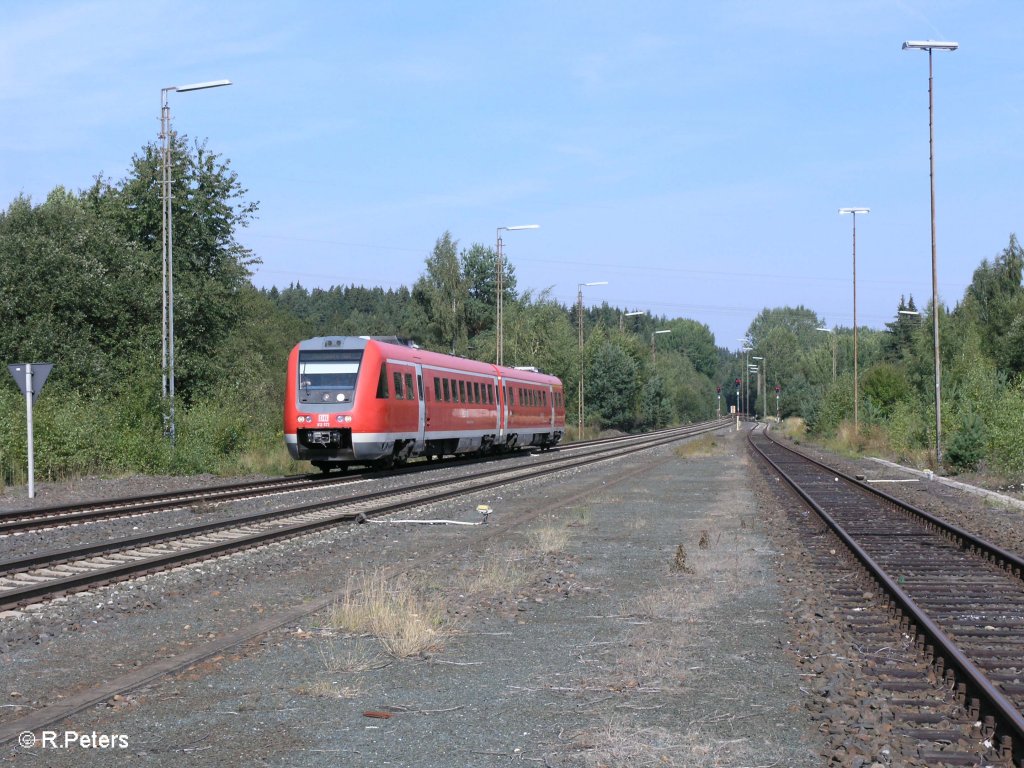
(336, 369)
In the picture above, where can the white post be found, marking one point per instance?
(31, 447)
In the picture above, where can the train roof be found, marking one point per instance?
(352, 342)
(404, 348)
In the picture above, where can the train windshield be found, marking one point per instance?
(329, 369)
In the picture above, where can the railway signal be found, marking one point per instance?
(30, 378)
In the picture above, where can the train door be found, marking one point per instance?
(551, 406)
(422, 402)
(502, 410)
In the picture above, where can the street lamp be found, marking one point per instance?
(829, 330)
(499, 299)
(746, 375)
(579, 311)
(654, 350)
(762, 361)
(854, 212)
(623, 315)
(167, 249)
(929, 45)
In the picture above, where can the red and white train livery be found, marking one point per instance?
(363, 400)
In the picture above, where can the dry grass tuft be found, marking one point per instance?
(622, 744)
(581, 515)
(351, 660)
(500, 575)
(549, 539)
(272, 461)
(700, 447)
(326, 689)
(671, 603)
(705, 539)
(868, 439)
(405, 620)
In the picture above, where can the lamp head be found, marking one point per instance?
(927, 45)
(201, 86)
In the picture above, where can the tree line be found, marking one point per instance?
(80, 287)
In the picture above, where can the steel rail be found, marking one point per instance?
(19, 596)
(20, 520)
(977, 683)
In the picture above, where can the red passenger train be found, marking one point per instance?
(374, 400)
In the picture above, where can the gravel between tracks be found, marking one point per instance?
(635, 621)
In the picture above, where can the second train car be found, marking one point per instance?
(377, 400)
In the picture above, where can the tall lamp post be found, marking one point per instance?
(753, 370)
(167, 250)
(929, 45)
(624, 315)
(654, 349)
(499, 299)
(761, 362)
(746, 374)
(829, 330)
(854, 212)
(579, 314)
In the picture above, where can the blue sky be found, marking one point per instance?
(692, 154)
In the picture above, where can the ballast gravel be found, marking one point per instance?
(627, 614)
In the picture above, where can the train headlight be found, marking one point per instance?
(341, 397)
(344, 419)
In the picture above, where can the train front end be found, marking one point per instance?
(321, 397)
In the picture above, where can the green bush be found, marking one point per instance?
(908, 428)
(1005, 450)
(967, 448)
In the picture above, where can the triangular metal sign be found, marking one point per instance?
(40, 372)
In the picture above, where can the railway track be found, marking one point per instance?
(959, 600)
(39, 518)
(45, 575)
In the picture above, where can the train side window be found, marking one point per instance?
(382, 383)
(476, 391)
(398, 385)
(490, 394)
(544, 396)
(462, 392)
(419, 384)
(447, 394)
(533, 397)
(437, 387)
(455, 391)
(510, 399)
(410, 393)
